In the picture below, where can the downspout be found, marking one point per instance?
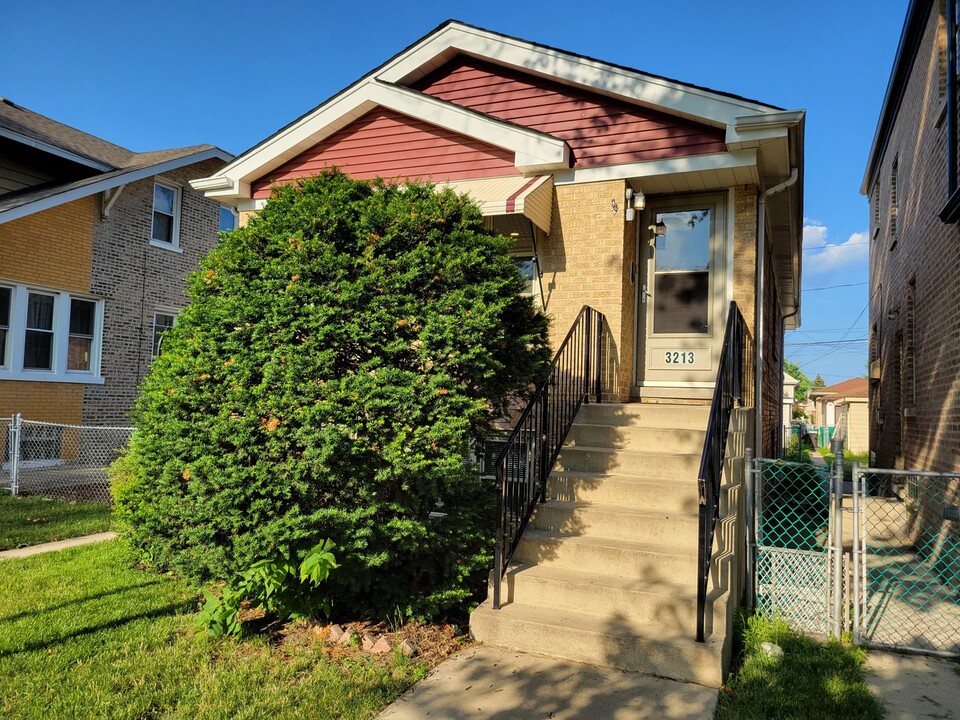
(758, 337)
(951, 100)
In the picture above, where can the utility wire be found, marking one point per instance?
(831, 287)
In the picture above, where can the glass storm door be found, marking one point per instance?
(682, 294)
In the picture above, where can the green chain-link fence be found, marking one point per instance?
(796, 557)
(907, 526)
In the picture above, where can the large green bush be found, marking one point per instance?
(339, 357)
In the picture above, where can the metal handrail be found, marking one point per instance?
(531, 450)
(728, 390)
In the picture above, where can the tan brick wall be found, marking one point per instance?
(584, 261)
(52, 248)
(745, 252)
(49, 402)
(925, 376)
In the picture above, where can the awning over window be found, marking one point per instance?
(528, 196)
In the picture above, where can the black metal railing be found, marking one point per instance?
(730, 387)
(532, 448)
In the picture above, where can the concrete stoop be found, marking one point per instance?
(606, 570)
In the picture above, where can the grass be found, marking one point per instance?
(32, 520)
(83, 634)
(848, 460)
(812, 680)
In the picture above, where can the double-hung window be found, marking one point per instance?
(38, 337)
(166, 216)
(162, 321)
(49, 335)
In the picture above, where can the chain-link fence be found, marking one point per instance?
(64, 462)
(799, 555)
(907, 527)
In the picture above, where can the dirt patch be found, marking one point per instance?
(433, 643)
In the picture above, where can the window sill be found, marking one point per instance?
(72, 378)
(166, 246)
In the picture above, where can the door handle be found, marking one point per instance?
(644, 294)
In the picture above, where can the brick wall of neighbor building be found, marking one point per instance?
(583, 263)
(136, 278)
(919, 392)
(43, 401)
(51, 249)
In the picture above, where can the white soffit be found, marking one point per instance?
(528, 196)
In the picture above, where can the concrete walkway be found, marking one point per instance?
(914, 686)
(498, 684)
(58, 545)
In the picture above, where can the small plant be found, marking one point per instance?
(278, 586)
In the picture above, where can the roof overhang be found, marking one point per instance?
(531, 197)
(910, 39)
(53, 149)
(37, 201)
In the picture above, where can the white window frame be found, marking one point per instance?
(169, 311)
(16, 337)
(234, 213)
(174, 244)
(5, 343)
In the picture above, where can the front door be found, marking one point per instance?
(681, 296)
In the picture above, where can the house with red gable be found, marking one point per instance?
(672, 210)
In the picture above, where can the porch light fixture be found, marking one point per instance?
(635, 201)
(660, 229)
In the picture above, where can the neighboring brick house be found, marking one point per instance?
(911, 183)
(559, 149)
(95, 245)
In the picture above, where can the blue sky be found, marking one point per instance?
(185, 72)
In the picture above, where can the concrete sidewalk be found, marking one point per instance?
(497, 684)
(914, 686)
(58, 545)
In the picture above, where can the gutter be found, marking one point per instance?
(758, 339)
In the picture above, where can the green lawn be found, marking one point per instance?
(812, 680)
(32, 520)
(83, 634)
(848, 459)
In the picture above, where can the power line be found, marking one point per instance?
(849, 330)
(842, 245)
(831, 287)
(828, 342)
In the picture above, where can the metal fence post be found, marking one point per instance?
(15, 428)
(749, 508)
(857, 558)
(836, 525)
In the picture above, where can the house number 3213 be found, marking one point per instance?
(673, 357)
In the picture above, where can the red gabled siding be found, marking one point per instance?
(599, 129)
(384, 143)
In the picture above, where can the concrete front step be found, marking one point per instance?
(649, 439)
(648, 561)
(671, 494)
(608, 640)
(645, 415)
(620, 523)
(673, 606)
(629, 462)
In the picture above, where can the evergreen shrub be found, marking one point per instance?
(340, 355)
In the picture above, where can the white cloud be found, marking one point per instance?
(814, 233)
(825, 257)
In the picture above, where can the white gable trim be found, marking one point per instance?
(534, 152)
(677, 98)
